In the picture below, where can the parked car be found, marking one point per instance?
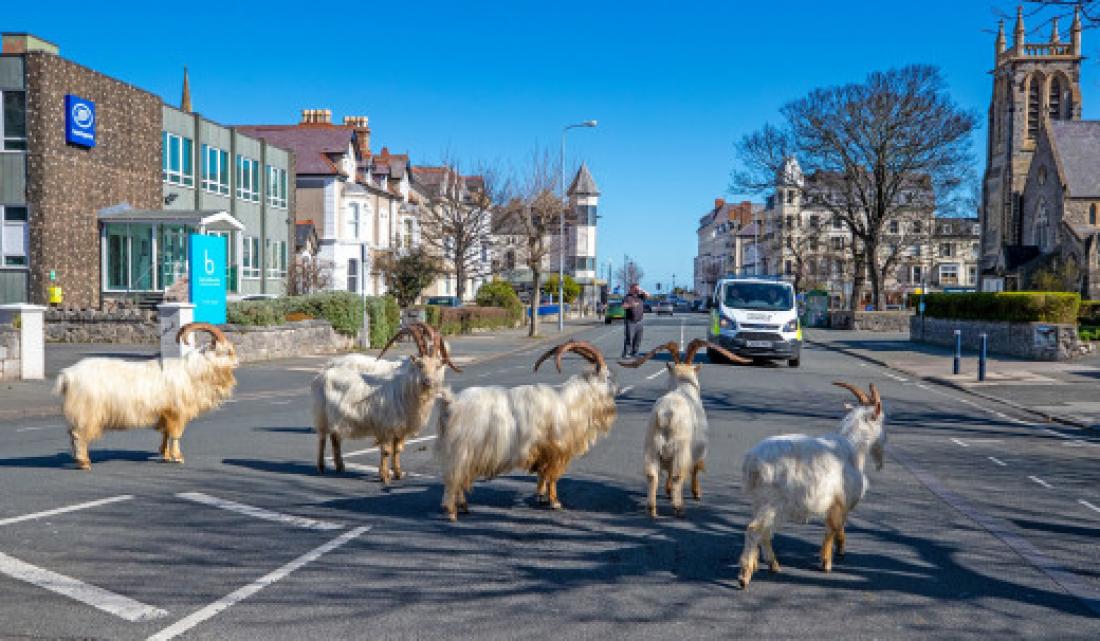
(700, 305)
(614, 311)
(444, 301)
(664, 307)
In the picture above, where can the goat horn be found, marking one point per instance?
(214, 332)
(876, 400)
(672, 346)
(553, 351)
(734, 358)
(411, 330)
(589, 352)
(860, 394)
(440, 346)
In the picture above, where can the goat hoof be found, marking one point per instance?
(678, 511)
(652, 510)
(398, 475)
(452, 517)
(826, 567)
(339, 468)
(556, 505)
(465, 509)
(698, 496)
(774, 566)
(84, 465)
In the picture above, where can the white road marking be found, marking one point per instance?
(626, 390)
(35, 429)
(1088, 505)
(655, 374)
(281, 402)
(240, 594)
(1041, 482)
(97, 597)
(375, 449)
(62, 510)
(863, 364)
(259, 512)
(895, 377)
(997, 461)
(959, 442)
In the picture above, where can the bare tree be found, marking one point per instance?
(629, 273)
(534, 212)
(457, 220)
(310, 274)
(885, 148)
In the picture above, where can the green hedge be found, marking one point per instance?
(343, 309)
(1044, 307)
(500, 293)
(462, 320)
(1089, 313)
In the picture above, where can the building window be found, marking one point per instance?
(510, 259)
(1034, 103)
(177, 160)
(790, 196)
(275, 258)
(895, 227)
(13, 124)
(353, 275)
(408, 243)
(1054, 101)
(788, 268)
(972, 275)
(13, 236)
(353, 220)
(914, 249)
(918, 274)
(838, 243)
(276, 187)
(837, 223)
(1041, 220)
(248, 179)
(947, 250)
(917, 227)
(949, 274)
(1092, 214)
(250, 259)
(215, 170)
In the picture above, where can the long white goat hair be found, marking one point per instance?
(362, 397)
(796, 478)
(100, 394)
(676, 435)
(487, 431)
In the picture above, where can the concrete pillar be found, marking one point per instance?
(172, 317)
(32, 337)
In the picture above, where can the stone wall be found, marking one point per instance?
(67, 184)
(1033, 341)
(870, 321)
(285, 341)
(132, 326)
(9, 354)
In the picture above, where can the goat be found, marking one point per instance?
(389, 401)
(112, 394)
(676, 438)
(795, 477)
(487, 431)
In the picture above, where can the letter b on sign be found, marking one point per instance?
(208, 263)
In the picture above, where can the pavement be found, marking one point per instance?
(1063, 391)
(983, 523)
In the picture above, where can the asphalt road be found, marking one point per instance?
(980, 526)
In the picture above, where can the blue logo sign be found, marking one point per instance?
(79, 121)
(207, 276)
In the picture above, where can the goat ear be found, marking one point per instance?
(668, 365)
(698, 368)
(878, 409)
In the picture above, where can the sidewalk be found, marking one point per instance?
(21, 399)
(1061, 391)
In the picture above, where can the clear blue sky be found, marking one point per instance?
(673, 85)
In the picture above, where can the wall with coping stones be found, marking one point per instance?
(130, 326)
(285, 341)
(1032, 341)
(10, 366)
(870, 321)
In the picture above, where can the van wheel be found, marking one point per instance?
(715, 358)
(794, 362)
(607, 321)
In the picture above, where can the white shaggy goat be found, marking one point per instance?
(487, 431)
(796, 477)
(389, 401)
(676, 440)
(112, 394)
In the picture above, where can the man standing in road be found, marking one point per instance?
(634, 309)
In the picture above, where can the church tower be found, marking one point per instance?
(1031, 82)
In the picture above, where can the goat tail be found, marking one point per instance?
(61, 386)
(755, 473)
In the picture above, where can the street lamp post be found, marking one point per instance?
(561, 227)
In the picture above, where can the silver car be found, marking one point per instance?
(664, 307)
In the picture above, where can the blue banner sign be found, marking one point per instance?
(79, 121)
(207, 277)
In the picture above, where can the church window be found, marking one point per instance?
(1042, 175)
(790, 196)
(1092, 214)
(1054, 102)
(1041, 221)
(1034, 106)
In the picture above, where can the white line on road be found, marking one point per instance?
(35, 429)
(259, 512)
(959, 442)
(655, 374)
(240, 594)
(62, 510)
(997, 461)
(375, 449)
(94, 596)
(895, 377)
(626, 390)
(1041, 482)
(1088, 505)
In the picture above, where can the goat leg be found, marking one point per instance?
(80, 451)
(384, 463)
(398, 445)
(651, 489)
(337, 452)
(696, 488)
(750, 553)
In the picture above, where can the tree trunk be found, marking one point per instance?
(871, 258)
(858, 277)
(536, 281)
(460, 279)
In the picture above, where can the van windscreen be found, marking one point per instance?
(762, 296)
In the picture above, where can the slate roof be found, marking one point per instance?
(311, 144)
(583, 183)
(1077, 145)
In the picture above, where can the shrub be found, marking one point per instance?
(499, 293)
(1044, 307)
(1089, 313)
(255, 312)
(344, 310)
(297, 316)
(463, 320)
(1088, 333)
(572, 288)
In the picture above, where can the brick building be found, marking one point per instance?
(109, 215)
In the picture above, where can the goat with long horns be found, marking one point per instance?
(676, 437)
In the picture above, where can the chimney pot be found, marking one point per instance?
(719, 202)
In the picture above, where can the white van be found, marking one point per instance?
(756, 318)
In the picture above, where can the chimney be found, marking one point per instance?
(719, 203)
(316, 117)
(362, 134)
(185, 100)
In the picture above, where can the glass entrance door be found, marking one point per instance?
(130, 257)
(172, 255)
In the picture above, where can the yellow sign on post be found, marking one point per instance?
(55, 294)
